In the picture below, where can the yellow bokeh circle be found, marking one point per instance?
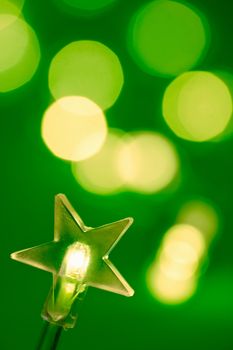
(170, 290)
(74, 128)
(172, 277)
(148, 162)
(100, 174)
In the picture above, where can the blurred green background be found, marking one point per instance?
(31, 176)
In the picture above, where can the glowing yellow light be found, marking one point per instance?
(74, 128)
(181, 252)
(201, 215)
(89, 69)
(69, 281)
(167, 38)
(20, 52)
(172, 277)
(149, 162)
(168, 290)
(184, 239)
(177, 270)
(197, 106)
(70, 288)
(76, 261)
(100, 173)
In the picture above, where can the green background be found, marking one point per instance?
(31, 176)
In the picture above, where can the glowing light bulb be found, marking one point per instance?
(76, 261)
(78, 258)
(69, 282)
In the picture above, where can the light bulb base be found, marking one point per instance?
(61, 306)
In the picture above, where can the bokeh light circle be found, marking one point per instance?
(197, 106)
(227, 77)
(167, 38)
(169, 290)
(201, 215)
(88, 5)
(20, 52)
(172, 277)
(11, 7)
(100, 174)
(184, 237)
(18, 3)
(74, 128)
(89, 69)
(178, 270)
(148, 162)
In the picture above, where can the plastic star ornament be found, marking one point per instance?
(78, 258)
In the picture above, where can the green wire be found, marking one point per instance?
(49, 337)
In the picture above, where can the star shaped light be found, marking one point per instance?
(78, 257)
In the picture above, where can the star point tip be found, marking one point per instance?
(131, 220)
(61, 196)
(131, 293)
(12, 256)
